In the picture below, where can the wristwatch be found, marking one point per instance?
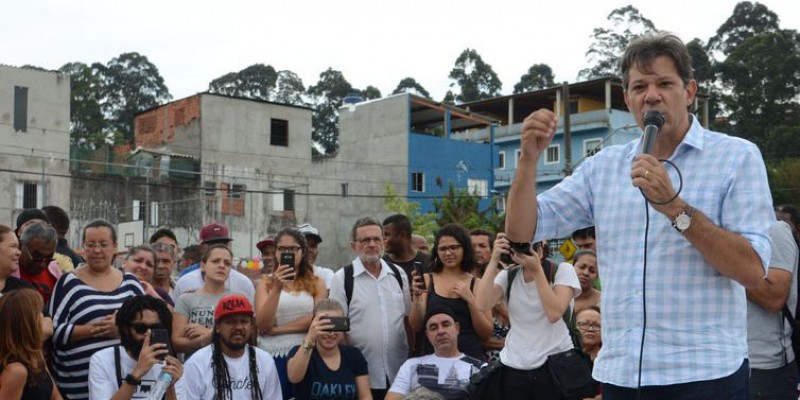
(684, 220)
(307, 346)
(129, 379)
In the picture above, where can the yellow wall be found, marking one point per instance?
(586, 104)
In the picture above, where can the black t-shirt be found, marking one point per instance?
(320, 383)
(420, 259)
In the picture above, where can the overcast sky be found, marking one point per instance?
(375, 42)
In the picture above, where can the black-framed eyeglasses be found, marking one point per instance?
(288, 249)
(142, 328)
(452, 248)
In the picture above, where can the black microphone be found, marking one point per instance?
(653, 121)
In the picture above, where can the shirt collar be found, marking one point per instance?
(358, 268)
(693, 138)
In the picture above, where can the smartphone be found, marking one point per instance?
(288, 259)
(340, 324)
(161, 336)
(420, 272)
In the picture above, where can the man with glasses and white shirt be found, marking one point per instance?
(377, 304)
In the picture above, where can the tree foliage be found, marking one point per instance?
(762, 78)
(748, 20)
(783, 181)
(257, 82)
(539, 76)
(462, 207)
(410, 85)
(326, 98)
(130, 83)
(476, 79)
(370, 93)
(423, 224)
(289, 88)
(608, 44)
(87, 125)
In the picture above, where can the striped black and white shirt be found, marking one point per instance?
(75, 303)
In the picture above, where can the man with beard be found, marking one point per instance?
(482, 247)
(375, 295)
(447, 370)
(230, 368)
(130, 369)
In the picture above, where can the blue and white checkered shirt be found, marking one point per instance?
(696, 318)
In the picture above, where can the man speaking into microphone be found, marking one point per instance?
(679, 239)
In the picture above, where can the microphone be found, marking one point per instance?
(653, 121)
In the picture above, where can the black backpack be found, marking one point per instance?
(348, 280)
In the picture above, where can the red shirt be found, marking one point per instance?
(44, 282)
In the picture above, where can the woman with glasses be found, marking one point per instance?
(588, 322)
(285, 301)
(140, 261)
(536, 306)
(193, 322)
(451, 285)
(83, 306)
(23, 370)
(585, 264)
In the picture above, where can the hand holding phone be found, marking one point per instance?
(159, 335)
(288, 259)
(340, 324)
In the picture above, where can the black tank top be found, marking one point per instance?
(38, 387)
(468, 342)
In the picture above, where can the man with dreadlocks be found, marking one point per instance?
(230, 368)
(130, 370)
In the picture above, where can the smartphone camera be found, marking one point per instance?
(161, 336)
(516, 247)
(288, 259)
(340, 324)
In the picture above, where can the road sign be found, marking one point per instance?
(567, 249)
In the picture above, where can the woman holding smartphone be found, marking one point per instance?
(285, 301)
(322, 361)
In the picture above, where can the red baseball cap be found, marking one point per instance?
(232, 305)
(265, 241)
(214, 233)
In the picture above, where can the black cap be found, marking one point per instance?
(438, 310)
(29, 214)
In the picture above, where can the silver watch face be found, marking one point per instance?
(682, 221)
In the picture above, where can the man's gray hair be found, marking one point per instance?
(39, 230)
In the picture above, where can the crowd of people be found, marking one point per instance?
(700, 304)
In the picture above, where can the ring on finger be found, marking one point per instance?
(646, 172)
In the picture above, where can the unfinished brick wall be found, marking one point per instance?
(156, 127)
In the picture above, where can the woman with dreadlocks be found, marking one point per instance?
(231, 368)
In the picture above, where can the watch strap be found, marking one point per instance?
(129, 379)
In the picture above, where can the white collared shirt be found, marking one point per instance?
(377, 311)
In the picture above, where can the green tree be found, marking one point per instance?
(461, 207)
(370, 93)
(608, 44)
(256, 82)
(475, 77)
(748, 20)
(326, 98)
(423, 224)
(762, 80)
(87, 125)
(704, 74)
(539, 76)
(410, 85)
(289, 88)
(130, 84)
(784, 181)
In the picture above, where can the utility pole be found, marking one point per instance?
(567, 130)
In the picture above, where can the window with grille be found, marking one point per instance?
(592, 146)
(553, 155)
(29, 195)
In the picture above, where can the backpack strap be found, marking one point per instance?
(348, 284)
(348, 280)
(118, 366)
(512, 274)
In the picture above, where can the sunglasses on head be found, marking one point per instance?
(142, 328)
